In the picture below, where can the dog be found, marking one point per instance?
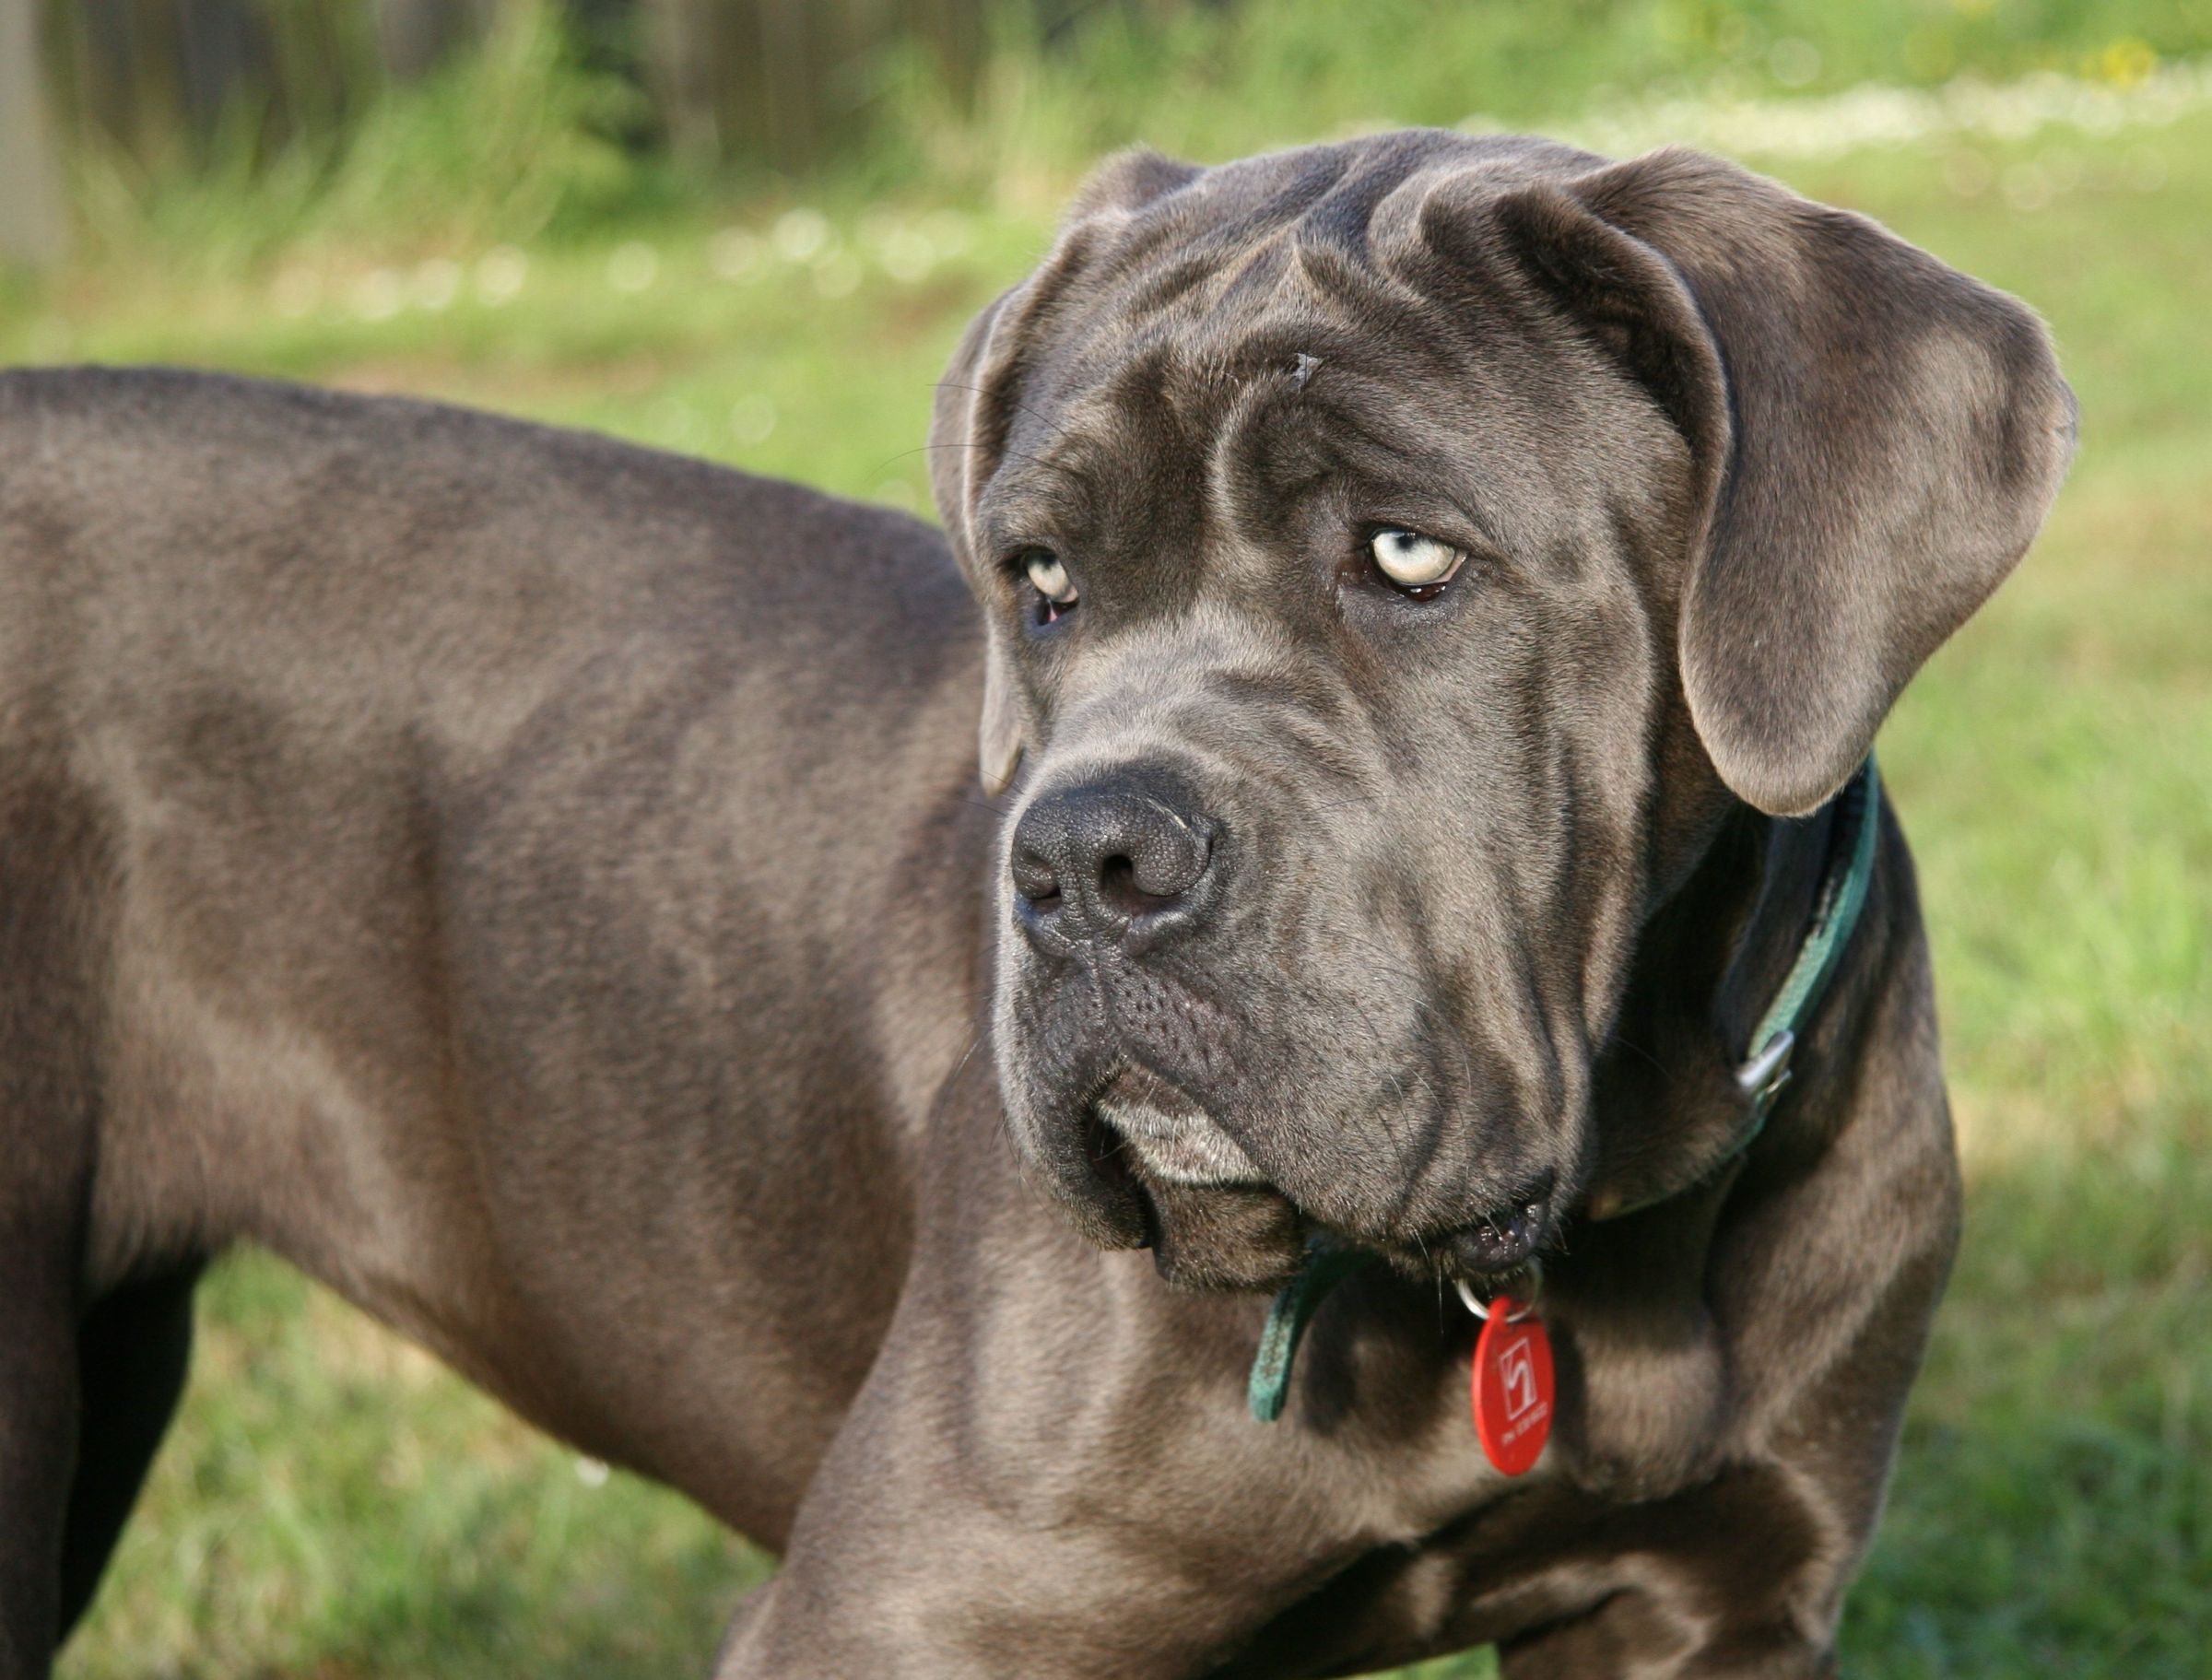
(1438, 598)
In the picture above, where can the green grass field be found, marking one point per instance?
(333, 1504)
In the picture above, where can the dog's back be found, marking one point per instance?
(404, 856)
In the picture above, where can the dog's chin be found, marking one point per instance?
(1210, 1220)
(1157, 1172)
(1250, 1235)
(1234, 1237)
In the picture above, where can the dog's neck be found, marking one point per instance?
(1713, 957)
(1746, 947)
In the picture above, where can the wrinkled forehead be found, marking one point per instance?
(1282, 327)
(1189, 402)
(1258, 271)
(1318, 219)
(1226, 408)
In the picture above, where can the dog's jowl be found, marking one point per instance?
(1437, 597)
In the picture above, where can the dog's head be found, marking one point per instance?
(1381, 544)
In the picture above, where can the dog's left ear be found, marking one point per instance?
(959, 460)
(979, 394)
(1876, 439)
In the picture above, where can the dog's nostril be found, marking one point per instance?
(1036, 880)
(1123, 890)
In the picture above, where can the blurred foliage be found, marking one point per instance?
(514, 138)
(554, 117)
(1210, 82)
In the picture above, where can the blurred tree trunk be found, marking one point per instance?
(413, 37)
(33, 226)
(786, 81)
(159, 80)
(682, 60)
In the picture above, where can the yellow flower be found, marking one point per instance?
(2126, 62)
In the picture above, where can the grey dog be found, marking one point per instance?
(1433, 591)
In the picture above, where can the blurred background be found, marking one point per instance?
(752, 228)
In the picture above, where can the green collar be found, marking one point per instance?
(1760, 1076)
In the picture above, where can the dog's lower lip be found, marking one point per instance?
(1501, 1241)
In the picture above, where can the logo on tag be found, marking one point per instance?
(1512, 1388)
(1517, 1366)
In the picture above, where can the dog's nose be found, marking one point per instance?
(1122, 855)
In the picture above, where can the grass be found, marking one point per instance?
(333, 1504)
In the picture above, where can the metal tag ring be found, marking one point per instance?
(1482, 1308)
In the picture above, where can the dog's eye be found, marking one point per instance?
(1419, 565)
(1048, 577)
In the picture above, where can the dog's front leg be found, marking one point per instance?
(1050, 1472)
(38, 1433)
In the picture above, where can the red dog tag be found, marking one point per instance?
(1513, 1387)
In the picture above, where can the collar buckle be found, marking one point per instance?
(1762, 1076)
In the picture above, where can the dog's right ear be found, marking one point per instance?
(1875, 439)
(978, 398)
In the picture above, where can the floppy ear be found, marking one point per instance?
(978, 397)
(955, 473)
(1876, 439)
